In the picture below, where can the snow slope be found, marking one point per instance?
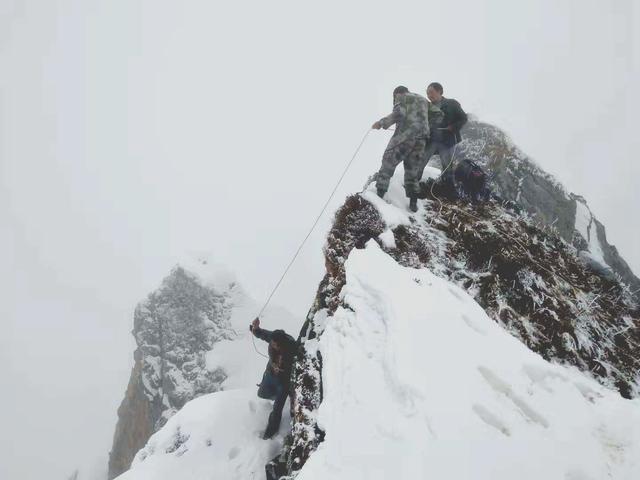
(216, 436)
(418, 383)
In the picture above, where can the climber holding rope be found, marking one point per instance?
(407, 145)
(276, 381)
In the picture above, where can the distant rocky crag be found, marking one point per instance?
(174, 328)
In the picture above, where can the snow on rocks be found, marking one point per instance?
(387, 238)
(586, 227)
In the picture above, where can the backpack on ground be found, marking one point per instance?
(471, 181)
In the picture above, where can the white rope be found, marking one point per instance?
(315, 223)
(453, 156)
(253, 339)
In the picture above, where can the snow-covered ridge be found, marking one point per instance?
(525, 277)
(214, 436)
(420, 383)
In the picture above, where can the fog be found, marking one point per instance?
(133, 132)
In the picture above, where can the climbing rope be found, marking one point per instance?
(453, 156)
(315, 223)
(253, 339)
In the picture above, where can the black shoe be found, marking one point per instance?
(381, 193)
(413, 204)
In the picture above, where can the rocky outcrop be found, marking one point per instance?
(174, 328)
(516, 177)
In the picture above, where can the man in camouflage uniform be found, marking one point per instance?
(410, 115)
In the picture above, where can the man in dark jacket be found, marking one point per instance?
(276, 380)
(446, 119)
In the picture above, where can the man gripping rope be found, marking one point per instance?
(276, 381)
(411, 117)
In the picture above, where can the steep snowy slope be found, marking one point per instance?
(216, 436)
(418, 383)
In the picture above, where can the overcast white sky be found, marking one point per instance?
(132, 132)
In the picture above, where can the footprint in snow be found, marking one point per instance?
(476, 327)
(456, 294)
(502, 387)
(491, 419)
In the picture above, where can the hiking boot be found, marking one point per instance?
(381, 193)
(413, 204)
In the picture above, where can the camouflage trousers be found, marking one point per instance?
(410, 152)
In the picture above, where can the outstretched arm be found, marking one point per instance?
(393, 117)
(261, 333)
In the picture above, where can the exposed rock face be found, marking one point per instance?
(135, 423)
(174, 328)
(518, 178)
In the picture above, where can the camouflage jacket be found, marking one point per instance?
(411, 117)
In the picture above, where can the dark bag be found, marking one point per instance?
(471, 180)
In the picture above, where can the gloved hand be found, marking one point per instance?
(377, 125)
